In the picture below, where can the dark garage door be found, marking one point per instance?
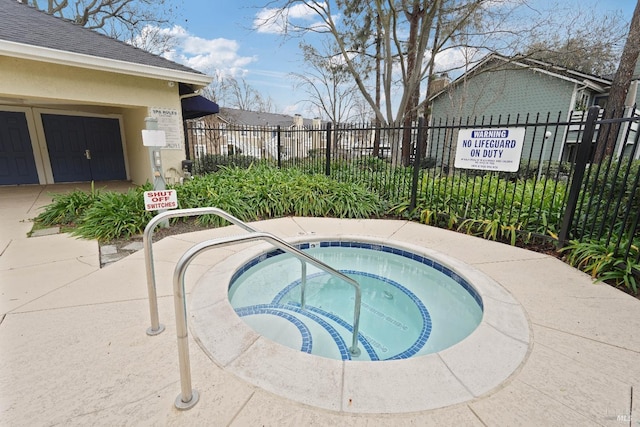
(17, 165)
(84, 148)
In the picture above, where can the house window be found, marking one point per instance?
(582, 101)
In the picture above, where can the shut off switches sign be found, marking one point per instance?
(160, 199)
(490, 149)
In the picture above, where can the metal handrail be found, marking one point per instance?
(189, 397)
(147, 240)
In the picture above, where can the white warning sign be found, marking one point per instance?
(490, 149)
(160, 199)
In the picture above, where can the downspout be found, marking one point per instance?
(190, 95)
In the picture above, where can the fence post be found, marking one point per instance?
(279, 150)
(416, 166)
(327, 165)
(582, 157)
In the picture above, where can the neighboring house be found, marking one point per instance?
(73, 102)
(255, 134)
(499, 87)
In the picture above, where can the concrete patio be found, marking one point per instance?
(73, 347)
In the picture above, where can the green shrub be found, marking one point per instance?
(608, 196)
(114, 215)
(67, 208)
(488, 202)
(601, 261)
(211, 163)
(261, 191)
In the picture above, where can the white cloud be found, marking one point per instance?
(219, 55)
(270, 21)
(454, 60)
(495, 4)
(281, 21)
(302, 11)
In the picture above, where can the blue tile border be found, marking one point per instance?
(274, 310)
(376, 247)
(414, 348)
(280, 310)
(361, 339)
(425, 332)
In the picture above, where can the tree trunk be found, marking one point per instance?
(410, 116)
(620, 87)
(376, 141)
(432, 66)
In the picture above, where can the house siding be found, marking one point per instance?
(504, 92)
(497, 95)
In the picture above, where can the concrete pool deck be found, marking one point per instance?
(73, 347)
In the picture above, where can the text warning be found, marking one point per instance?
(160, 199)
(490, 149)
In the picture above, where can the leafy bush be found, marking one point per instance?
(489, 205)
(530, 169)
(67, 208)
(601, 261)
(213, 162)
(114, 215)
(609, 194)
(257, 192)
(261, 192)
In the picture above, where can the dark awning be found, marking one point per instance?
(198, 106)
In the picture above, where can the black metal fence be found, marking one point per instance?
(604, 198)
(555, 190)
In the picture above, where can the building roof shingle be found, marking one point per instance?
(24, 24)
(494, 61)
(254, 118)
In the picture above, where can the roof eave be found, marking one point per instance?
(597, 84)
(53, 56)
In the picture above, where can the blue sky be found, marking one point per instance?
(220, 37)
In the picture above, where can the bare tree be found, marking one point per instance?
(400, 34)
(121, 19)
(214, 90)
(153, 39)
(327, 83)
(238, 93)
(584, 41)
(409, 39)
(592, 56)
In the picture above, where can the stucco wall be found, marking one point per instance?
(51, 87)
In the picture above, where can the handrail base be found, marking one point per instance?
(355, 351)
(183, 406)
(152, 332)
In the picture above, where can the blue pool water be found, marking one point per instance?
(411, 305)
